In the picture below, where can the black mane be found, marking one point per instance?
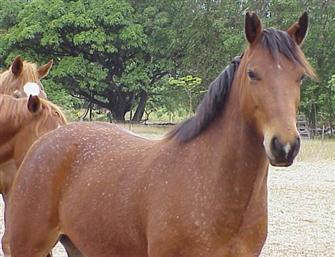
(277, 42)
(210, 106)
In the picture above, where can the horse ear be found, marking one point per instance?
(253, 27)
(17, 66)
(298, 30)
(43, 71)
(34, 103)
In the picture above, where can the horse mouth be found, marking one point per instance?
(281, 163)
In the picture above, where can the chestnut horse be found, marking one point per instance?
(12, 82)
(201, 191)
(20, 73)
(22, 122)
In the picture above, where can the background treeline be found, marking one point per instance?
(138, 57)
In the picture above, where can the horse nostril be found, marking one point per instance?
(284, 153)
(276, 145)
(295, 147)
(278, 150)
(298, 140)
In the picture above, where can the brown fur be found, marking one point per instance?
(17, 121)
(115, 194)
(12, 82)
(19, 129)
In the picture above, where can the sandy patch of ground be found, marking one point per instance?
(301, 211)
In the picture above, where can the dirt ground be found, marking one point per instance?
(301, 211)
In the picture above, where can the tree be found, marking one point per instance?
(9, 11)
(212, 34)
(328, 98)
(102, 52)
(120, 54)
(191, 86)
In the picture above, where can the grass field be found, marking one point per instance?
(315, 150)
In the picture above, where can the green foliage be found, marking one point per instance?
(99, 48)
(191, 86)
(327, 98)
(120, 54)
(9, 10)
(79, 74)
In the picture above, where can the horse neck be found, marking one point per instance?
(3, 82)
(14, 112)
(233, 148)
(7, 174)
(14, 117)
(10, 156)
(18, 146)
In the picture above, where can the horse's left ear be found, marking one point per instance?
(252, 27)
(43, 71)
(34, 104)
(298, 30)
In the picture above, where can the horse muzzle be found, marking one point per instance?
(282, 154)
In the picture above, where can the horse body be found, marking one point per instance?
(199, 192)
(22, 122)
(119, 174)
(12, 82)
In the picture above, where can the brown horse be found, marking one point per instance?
(201, 191)
(20, 73)
(12, 82)
(22, 122)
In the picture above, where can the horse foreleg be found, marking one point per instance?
(5, 245)
(31, 238)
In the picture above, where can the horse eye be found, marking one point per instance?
(252, 75)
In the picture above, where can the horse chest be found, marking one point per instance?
(229, 219)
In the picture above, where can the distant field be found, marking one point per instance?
(148, 131)
(316, 150)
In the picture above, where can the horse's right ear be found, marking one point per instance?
(34, 104)
(17, 66)
(253, 27)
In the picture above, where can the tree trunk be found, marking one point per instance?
(118, 116)
(120, 106)
(117, 110)
(141, 107)
(91, 107)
